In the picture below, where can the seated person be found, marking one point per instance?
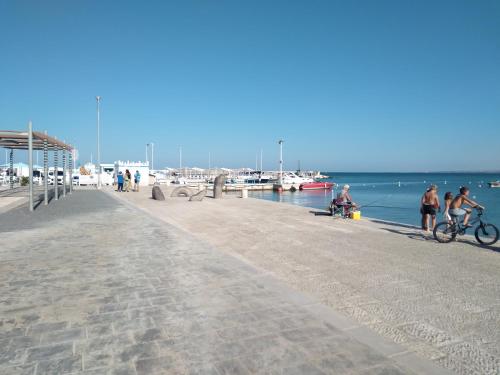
(457, 203)
(344, 199)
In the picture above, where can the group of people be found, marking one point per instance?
(124, 181)
(430, 206)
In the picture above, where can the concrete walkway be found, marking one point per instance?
(441, 301)
(92, 286)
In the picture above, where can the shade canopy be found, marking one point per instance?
(19, 140)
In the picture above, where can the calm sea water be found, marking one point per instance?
(396, 196)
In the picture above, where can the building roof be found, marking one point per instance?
(18, 140)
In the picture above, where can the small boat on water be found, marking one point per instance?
(316, 186)
(494, 184)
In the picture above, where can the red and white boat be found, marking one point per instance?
(316, 186)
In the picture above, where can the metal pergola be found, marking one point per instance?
(31, 140)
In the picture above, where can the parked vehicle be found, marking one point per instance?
(59, 177)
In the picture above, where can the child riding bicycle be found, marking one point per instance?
(460, 200)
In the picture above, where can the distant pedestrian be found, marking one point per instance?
(119, 180)
(127, 180)
(429, 205)
(137, 180)
(448, 198)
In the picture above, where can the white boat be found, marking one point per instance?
(494, 184)
(291, 178)
(315, 175)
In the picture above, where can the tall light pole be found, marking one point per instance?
(98, 99)
(280, 142)
(152, 156)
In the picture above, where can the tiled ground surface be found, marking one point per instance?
(90, 286)
(441, 301)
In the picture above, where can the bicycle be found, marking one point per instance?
(485, 233)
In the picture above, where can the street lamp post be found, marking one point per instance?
(152, 155)
(281, 161)
(98, 99)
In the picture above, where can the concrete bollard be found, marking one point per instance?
(219, 183)
(244, 193)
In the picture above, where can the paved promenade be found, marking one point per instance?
(441, 301)
(92, 286)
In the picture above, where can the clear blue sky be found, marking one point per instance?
(349, 85)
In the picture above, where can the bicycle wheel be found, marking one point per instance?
(445, 232)
(487, 234)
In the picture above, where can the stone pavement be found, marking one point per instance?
(441, 301)
(92, 286)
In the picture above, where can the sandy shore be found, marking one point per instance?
(438, 300)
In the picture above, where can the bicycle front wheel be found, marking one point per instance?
(445, 232)
(487, 234)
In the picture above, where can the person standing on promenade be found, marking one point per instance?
(137, 180)
(127, 180)
(119, 180)
(429, 205)
(461, 199)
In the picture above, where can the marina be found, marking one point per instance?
(249, 188)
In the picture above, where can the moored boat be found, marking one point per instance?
(316, 186)
(494, 184)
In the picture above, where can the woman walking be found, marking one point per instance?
(128, 177)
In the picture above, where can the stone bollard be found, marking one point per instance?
(181, 191)
(198, 197)
(219, 182)
(157, 193)
(244, 193)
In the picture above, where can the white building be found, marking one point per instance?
(133, 166)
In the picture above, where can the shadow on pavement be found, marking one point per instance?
(320, 213)
(422, 237)
(414, 235)
(394, 224)
(79, 203)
